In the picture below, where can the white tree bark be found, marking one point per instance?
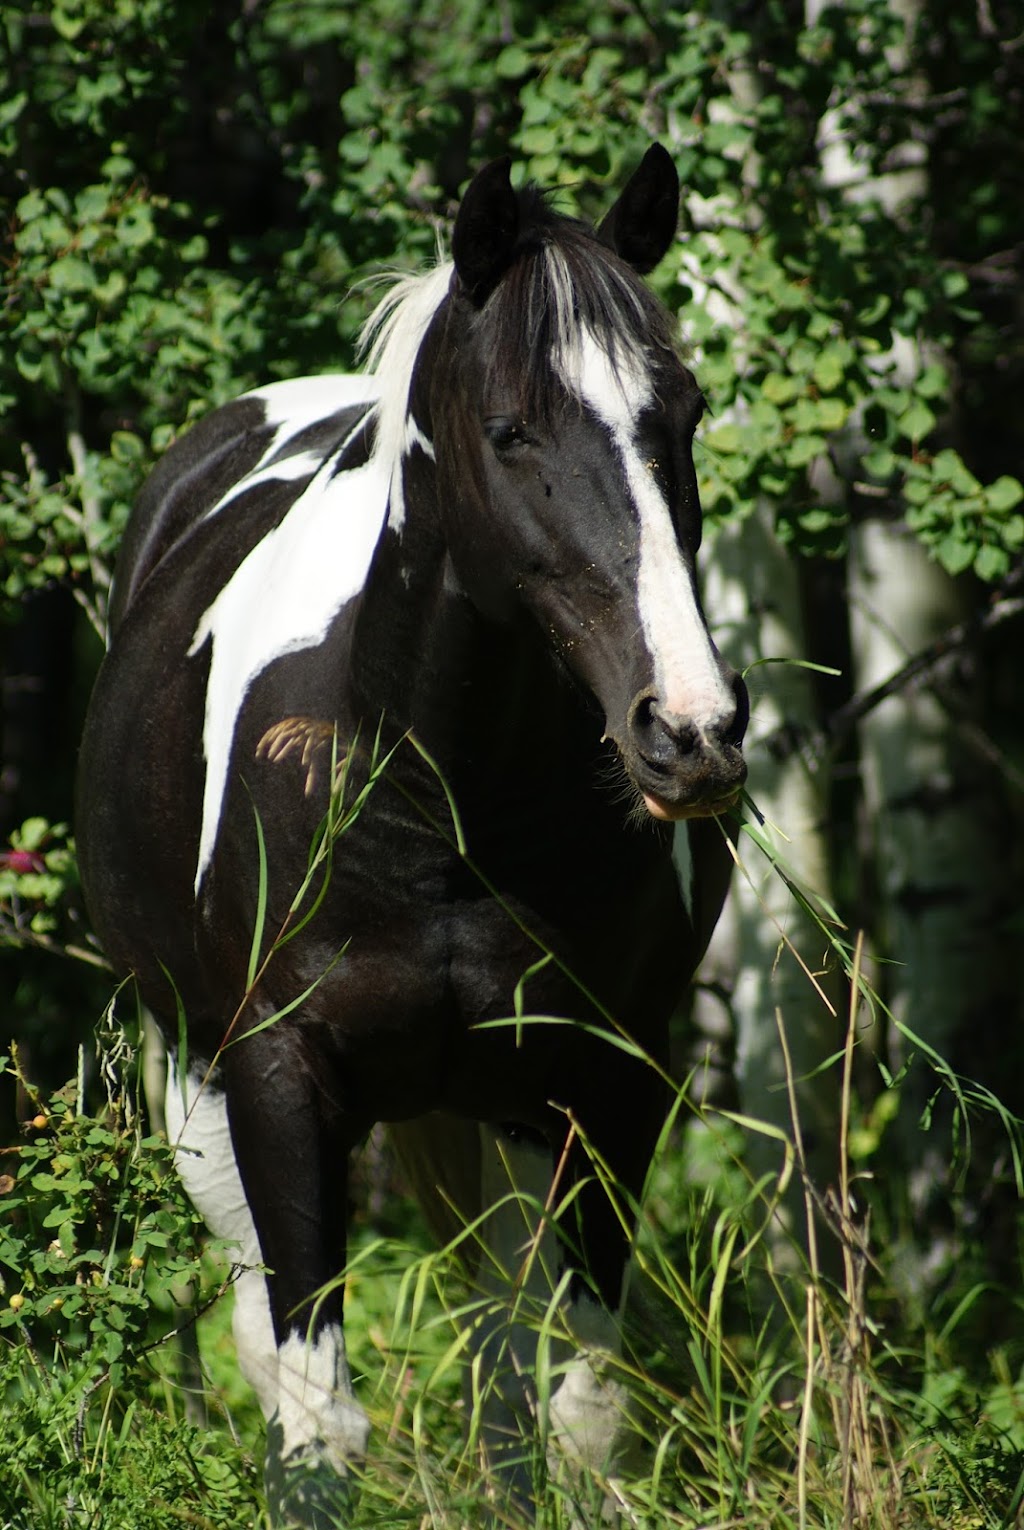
(930, 817)
(932, 811)
(768, 957)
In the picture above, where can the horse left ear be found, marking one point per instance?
(486, 228)
(642, 224)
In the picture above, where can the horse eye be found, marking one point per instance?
(503, 433)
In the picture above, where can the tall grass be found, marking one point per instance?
(776, 1377)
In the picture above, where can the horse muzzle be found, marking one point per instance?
(684, 767)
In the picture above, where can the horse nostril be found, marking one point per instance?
(661, 737)
(732, 731)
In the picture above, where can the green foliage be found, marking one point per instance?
(739, 1421)
(97, 1242)
(149, 279)
(65, 1467)
(34, 877)
(94, 1231)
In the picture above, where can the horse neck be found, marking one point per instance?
(482, 695)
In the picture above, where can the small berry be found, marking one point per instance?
(17, 1301)
(21, 861)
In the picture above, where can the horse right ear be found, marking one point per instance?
(486, 228)
(642, 224)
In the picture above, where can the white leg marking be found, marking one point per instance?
(589, 1416)
(318, 1411)
(205, 1160)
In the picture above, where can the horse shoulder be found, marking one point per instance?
(282, 431)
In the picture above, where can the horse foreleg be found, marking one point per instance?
(197, 1127)
(273, 1177)
(515, 1275)
(591, 1430)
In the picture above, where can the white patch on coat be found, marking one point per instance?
(282, 598)
(197, 1128)
(285, 594)
(290, 408)
(687, 677)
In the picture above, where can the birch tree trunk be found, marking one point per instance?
(930, 802)
(757, 975)
(767, 947)
(933, 816)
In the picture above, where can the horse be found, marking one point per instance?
(408, 690)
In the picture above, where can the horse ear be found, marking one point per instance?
(485, 229)
(642, 224)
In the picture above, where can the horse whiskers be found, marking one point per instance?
(612, 777)
(303, 736)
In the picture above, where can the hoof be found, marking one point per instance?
(305, 1490)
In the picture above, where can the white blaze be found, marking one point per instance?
(686, 672)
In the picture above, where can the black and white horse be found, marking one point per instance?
(486, 542)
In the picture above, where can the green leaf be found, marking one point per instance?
(829, 369)
(803, 449)
(780, 387)
(832, 413)
(880, 463)
(512, 62)
(917, 421)
(72, 274)
(956, 553)
(992, 562)
(1004, 494)
(724, 438)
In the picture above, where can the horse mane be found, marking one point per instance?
(389, 343)
(562, 281)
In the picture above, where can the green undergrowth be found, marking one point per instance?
(765, 1393)
(791, 1358)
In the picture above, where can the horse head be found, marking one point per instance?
(563, 419)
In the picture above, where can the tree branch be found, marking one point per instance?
(922, 668)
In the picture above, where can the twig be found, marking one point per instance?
(920, 665)
(98, 572)
(923, 667)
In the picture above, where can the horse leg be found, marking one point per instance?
(515, 1277)
(197, 1127)
(292, 1144)
(282, 1165)
(590, 1423)
(586, 1420)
